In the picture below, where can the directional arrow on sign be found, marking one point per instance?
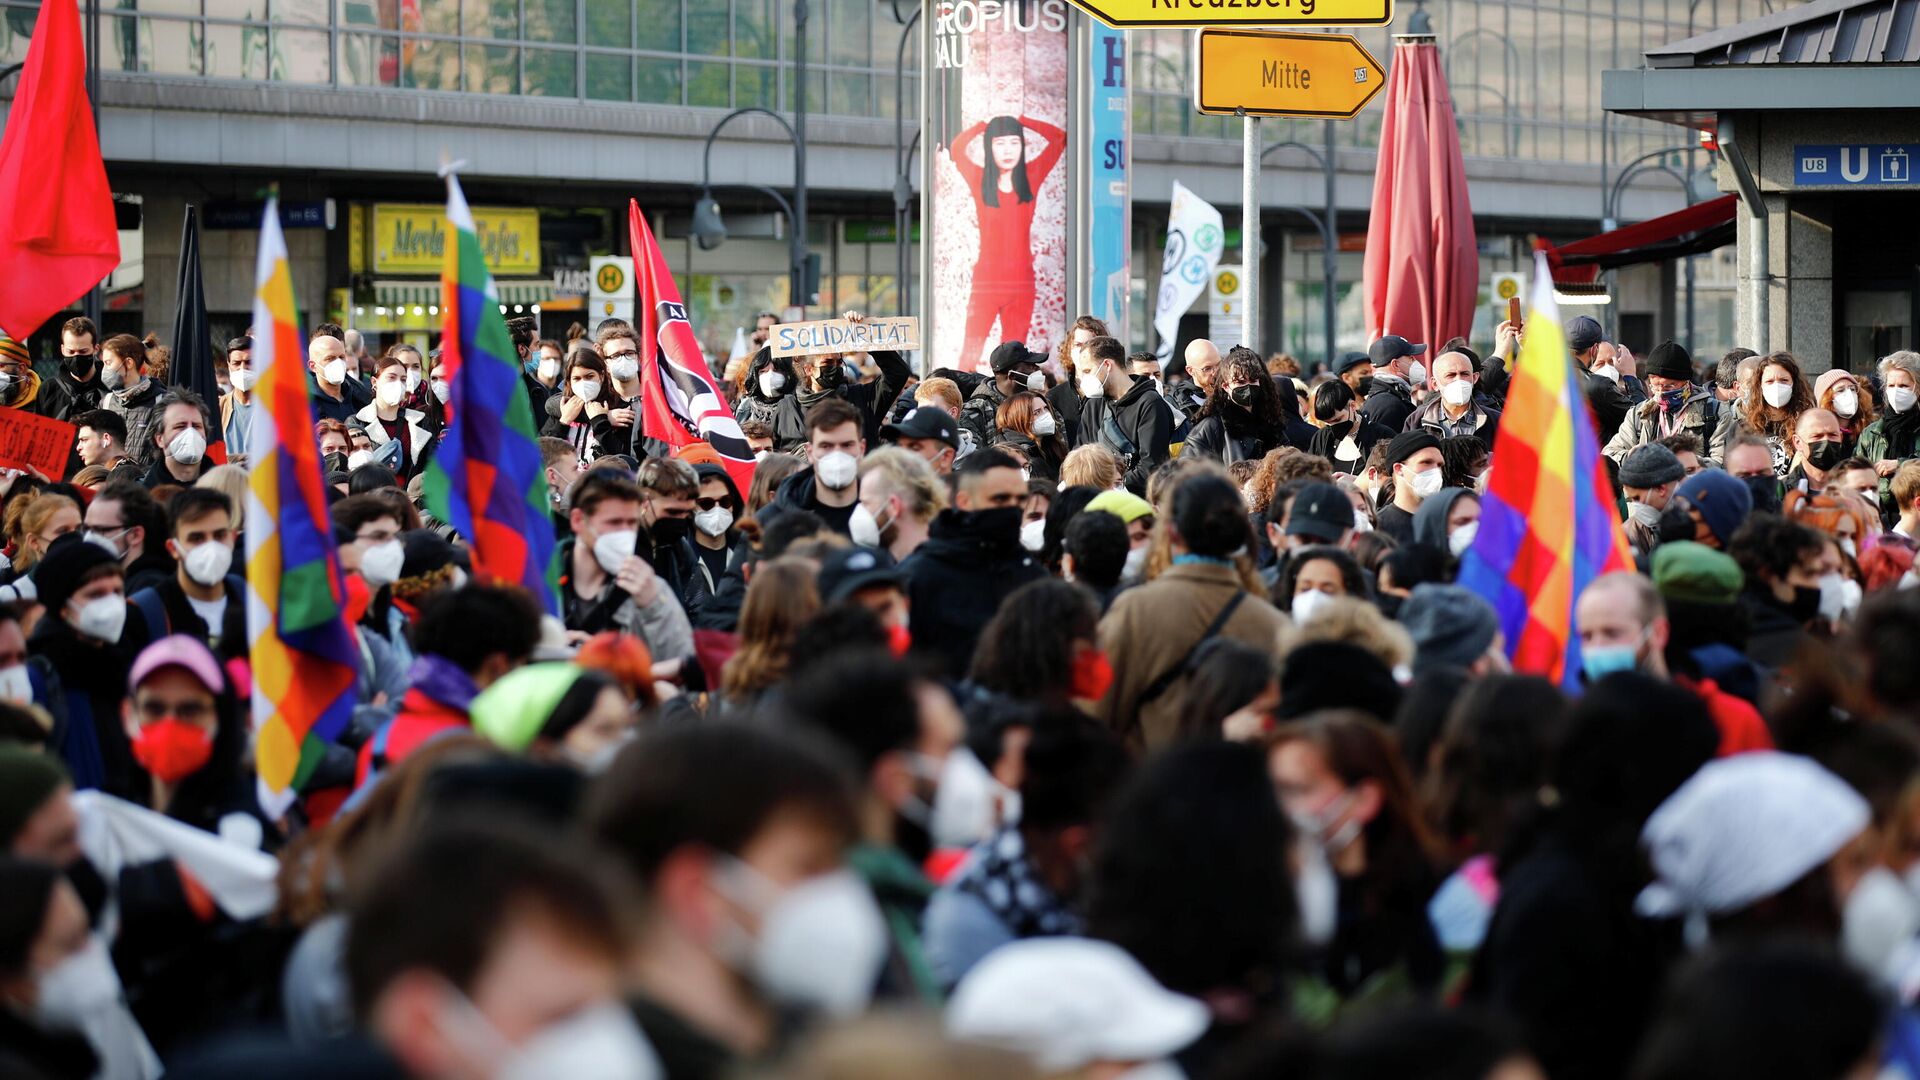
(1201, 13)
(1275, 73)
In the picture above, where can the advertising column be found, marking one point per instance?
(994, 203)
(1109, 236)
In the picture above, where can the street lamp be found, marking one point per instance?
(709, 231)
(1325, 222)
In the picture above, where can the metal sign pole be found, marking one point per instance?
(1250, 233)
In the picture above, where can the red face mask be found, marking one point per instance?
(1092, 675)
(172, 750)
(899, 640)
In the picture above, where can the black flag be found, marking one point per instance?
(192, 343)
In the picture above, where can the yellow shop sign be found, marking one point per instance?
(412, 239)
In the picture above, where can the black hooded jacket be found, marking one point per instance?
(1138, 427)
(970, 562)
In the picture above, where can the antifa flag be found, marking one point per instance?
(679, 403)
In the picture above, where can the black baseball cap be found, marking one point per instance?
(1583, 333)
(1350, 360)
(1011, 354)
(925, 422)
(1320, 511)
(848, 570)
(1391, 348)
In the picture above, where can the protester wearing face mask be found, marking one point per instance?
(557, 712)
(1014, 369)
(1341, 781)
(179, 437)
(1418, 468)
(1450, 518)
(1837, 391)
(480, 951)
(388, 420)
(75, 387)
(123, 374)
(20, 385)
(971, 561)
(752, 915)
(1622, 622)
(1890, 440)
(1778, 395)
(1137, 515)
(900, 497)
(1454, 409)
(1317, 575)
(1674, 406)
(82, 636)
(670, 490)
(335, 396)
(1027, 423)
(1818, 446)
(466, 639)
(1649, 476)
(62, 1012)
(1395, 377)
(1346, 435)
(605, 584)
(929, 433)
(1782, 563)
(767, 398)
(1121, 413)
(829, 487)
(236, 404)
(1610, 393)
(180, 720)
(900, 729)
(204, 600)
(581, 413)
(717, 541)
(1243, 419)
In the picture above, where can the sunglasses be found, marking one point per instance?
(708, 504)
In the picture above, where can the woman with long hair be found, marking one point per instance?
(586, 397)
(1778, 394)
(782, 596)
(1026, 423)
(1043, 646)
(1005, 182)
(1890, 439)
(1244, 418)
(35, 521)
(1340, 779)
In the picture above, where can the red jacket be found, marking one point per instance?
(420, 719)
(1741, 728)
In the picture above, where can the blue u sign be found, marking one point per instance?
(1858, 164)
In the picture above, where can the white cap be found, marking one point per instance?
(1742, 829)
(1069, 1002)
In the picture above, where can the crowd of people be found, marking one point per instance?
(1085, 716)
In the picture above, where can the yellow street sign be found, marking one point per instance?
(1275, 73)
(1197, 13)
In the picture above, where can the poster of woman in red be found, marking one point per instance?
(997, 215)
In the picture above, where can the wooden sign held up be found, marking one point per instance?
(900, 334)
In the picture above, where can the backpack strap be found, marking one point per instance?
(1166, 680)
(155, 613)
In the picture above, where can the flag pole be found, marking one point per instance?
(94, 295)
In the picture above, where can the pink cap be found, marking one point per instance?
(1828, 378)
(181, 651)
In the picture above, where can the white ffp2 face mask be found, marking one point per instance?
(392, 394)
(102, 618)
(208, 563)
(380, 564)
(612, 550)
(1777, 394)
(1457, 393)
(16, 685)
(1045, 425)
(1306, 605)
(334, 372)
(837, 470)
(821, 943)
(1426, 483)
(714, 522)
(188, 447)
(862, 529)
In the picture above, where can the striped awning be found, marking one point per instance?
(425, 292)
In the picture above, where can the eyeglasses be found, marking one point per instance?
(631, 354)
(708, 504)
(378, 536)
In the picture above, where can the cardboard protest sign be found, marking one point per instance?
(27, 440)
(901, 334)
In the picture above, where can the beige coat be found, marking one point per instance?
(1150, 630)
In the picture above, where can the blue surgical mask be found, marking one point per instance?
(1599, 661)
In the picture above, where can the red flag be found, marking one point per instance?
(57, 237)
(679, 403)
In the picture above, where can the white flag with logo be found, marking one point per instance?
(1195, 238)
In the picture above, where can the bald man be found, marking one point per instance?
(1819, 446)
(335, 396)
(1203, 365)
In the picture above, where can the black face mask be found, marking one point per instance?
(1806, 604)
(1675, 522)
(1389, 604)
(670, 530)
(1242, 396)
(830, 375)
(335, 462)
(1766, 493)
(1825, 455)
(1000, 520)
(78, 366)
(1365, 387)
